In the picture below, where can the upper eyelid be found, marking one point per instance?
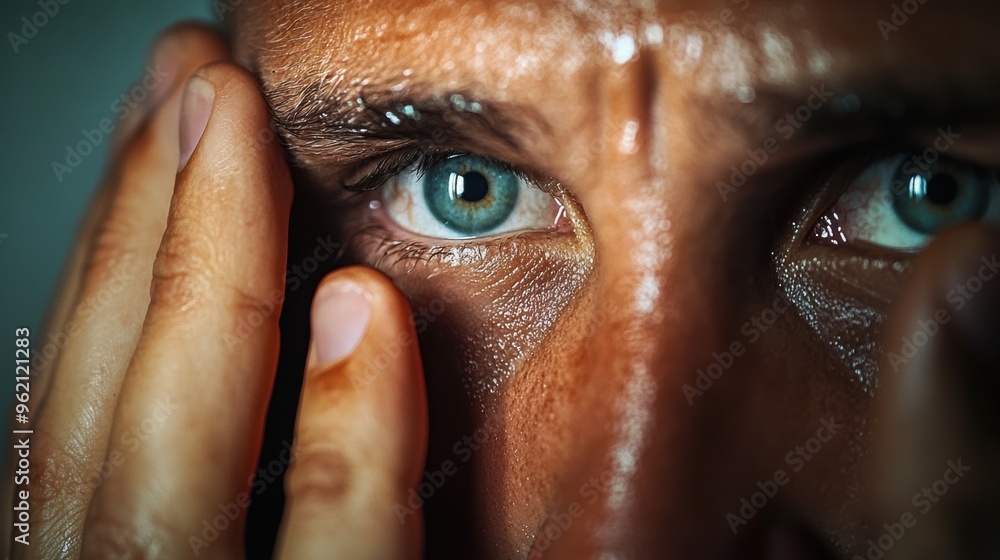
(845, 163)
(907, 151)
(407, 158)
(383, 167)
(845, 177)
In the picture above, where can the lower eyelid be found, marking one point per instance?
(374, 239)
(391, 249)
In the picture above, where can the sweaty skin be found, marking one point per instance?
(680, 371)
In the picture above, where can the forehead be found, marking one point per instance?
(499, 42)
(567, 58)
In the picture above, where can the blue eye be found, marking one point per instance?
(902, 201)
(467, 196)
(929, 198)
(470, 194)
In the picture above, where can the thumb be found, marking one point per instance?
(361, 431)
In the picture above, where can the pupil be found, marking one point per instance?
(473, 187)
(942, 189)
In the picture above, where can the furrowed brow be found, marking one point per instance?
(341, 126)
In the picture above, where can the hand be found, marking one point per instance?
(151, 415)
(936, 446)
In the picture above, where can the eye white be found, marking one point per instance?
(405, 204)
(868, 214)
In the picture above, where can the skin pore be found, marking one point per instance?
(705, 324)
(575, 348)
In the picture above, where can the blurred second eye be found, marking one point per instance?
(467, 196)
(902, 201)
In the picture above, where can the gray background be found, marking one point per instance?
(64, 80)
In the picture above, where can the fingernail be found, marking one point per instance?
(160, 72)
(199, 96)
(340, 316)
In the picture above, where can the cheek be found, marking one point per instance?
(771, 384)
(773, 409)
(540, 409)
(478, 320)
(483, 318)
(844, 302)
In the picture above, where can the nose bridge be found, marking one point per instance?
(634, 252)
(629, 465)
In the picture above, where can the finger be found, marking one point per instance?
(186, 433)
(937, 448)
(127, 219)
(100, 310)
(361, 431)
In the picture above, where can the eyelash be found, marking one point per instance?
(385, 167)
(392, 251)
(372, 174)
(853, 162)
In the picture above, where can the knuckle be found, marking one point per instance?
(59, 469)
(320, 476)
(180, 283)
(110, 536)
(186, 277)
(107, 540)
(112, 251)
(183, 269)
(120, 247)
(60, 493)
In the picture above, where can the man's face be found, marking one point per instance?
(689, 310)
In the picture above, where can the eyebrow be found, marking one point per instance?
(324, 125)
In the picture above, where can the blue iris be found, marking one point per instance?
(471, 194)
(929, 198)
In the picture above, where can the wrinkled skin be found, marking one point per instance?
(572, 354)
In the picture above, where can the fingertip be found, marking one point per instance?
(152, 104)
(364, 344)
(241, 140)
(196, 109)
(181, 48)
(971, 261)
(237, 87)
(361, 429)
(340, 315)
(187, 35)
(947, 309)
(953, 255)
(937, 287)
(938, 385)
(355, 310)
(175, 53)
